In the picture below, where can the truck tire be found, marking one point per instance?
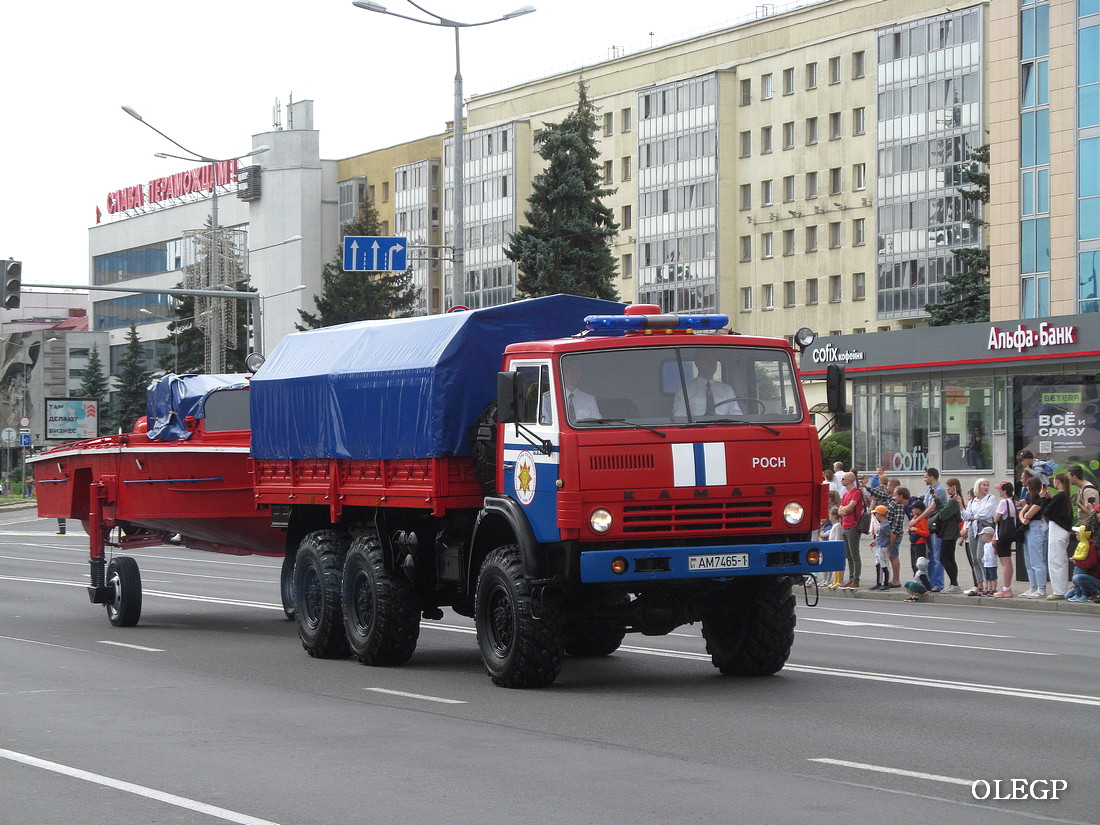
(317, 572)
(587, 637)
(286, 585)
(750, 633)
(519, 650)
(381, 618)
(125, 609)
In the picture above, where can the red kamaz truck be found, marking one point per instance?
(560, 471)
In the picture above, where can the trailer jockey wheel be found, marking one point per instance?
(123, 576)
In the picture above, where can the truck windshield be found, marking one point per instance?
(671, 386)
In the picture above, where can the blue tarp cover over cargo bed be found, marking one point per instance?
(397, 388)
(171, 398)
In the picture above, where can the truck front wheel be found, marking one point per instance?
(519, 650)
(749, 629)
(381, 618)
(317, 573)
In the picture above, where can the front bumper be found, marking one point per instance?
(670, 564)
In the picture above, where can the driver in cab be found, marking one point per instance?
(706, 395)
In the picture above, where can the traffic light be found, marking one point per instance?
(13, 283)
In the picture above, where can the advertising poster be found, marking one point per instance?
(1058, 419)
(71, 419)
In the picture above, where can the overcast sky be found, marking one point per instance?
(208, 73)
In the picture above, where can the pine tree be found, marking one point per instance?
(565, 246)
(94, 386)
(359, 296)
(964, 299)
(133, 380)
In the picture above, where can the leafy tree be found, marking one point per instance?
(94, 385)
(836, 447)
(565, 245)
(965, 297)
(133, 379)
(359, 296)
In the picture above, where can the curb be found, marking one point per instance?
(1016, 603)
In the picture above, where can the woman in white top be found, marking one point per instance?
(978, 514)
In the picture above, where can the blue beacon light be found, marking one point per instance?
(617, 324)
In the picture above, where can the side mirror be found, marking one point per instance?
(508, 397)
(835, 384)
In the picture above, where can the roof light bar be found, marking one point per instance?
(613, 324)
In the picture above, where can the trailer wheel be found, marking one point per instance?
(751, 630)
(381, 617)
(317, 572)
(122, 575)
(286, 585)
(519, 650)
(588, 637)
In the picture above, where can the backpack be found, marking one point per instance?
(1045, 470)
(865, 518)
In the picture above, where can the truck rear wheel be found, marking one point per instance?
(751, 631)
(519, 650)
(381, 618)
(317, 573)
(123, 575)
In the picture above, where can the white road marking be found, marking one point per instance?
(917, 642)
(1082, 630)
(418, 696)
(84, 563)
(907, 615)
(132, 647)
(137, 790)
(44, 644)
(846, 623)
(935, 777)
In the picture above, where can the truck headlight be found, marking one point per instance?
(600, 520)
(793, 512)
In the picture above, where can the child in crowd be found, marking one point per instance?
(918, 535)
(880, 537)
(833, 580)
(988, 552)
(922, 584)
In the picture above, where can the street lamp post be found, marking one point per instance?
(215, 346)
(458, 174)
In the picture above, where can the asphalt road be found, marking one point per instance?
(210, 711)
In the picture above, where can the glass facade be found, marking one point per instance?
(416, 217)
(929, 122)
(1088, 156)
(1034, 159)
(677, 194)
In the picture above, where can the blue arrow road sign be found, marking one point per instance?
(363, 253)
(24, 439)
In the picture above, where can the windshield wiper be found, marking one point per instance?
(740, 422)
(633, 424)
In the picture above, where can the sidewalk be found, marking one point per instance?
(867, 579)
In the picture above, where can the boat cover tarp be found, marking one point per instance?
(397, 388)
(171, 398)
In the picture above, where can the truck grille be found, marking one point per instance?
(697, 515)
(641, 461)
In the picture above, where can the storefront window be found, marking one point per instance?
(891, 427)
(967, 424)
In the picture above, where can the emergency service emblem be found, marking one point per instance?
(525, 477)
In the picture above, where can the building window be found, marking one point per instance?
(608, 124)
(834, 289)
(859, 64)
(627, 216)
(859, 120)
(834, 70)
(811, 185)
(766, 193)
(811, 291)
(746, 196)
(859, 177)
(626, 167)
(835, 180)
(859, 286)
(788, 81)
(769, 296)
(859, 232)
(788, 189)
(788, 293)
(765, 140)
(811, 131)
(628, 265)
(607, 173)
(767, 246)
(834, 126)
(746, 299)
(834, 235)
(624, 120)
(788, 135)
(746, 248)
(746, 92)
(811, 238)
(811, 76)
(788, 241)
(746, 144)
(766, 87)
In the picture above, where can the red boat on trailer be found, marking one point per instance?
(184, 471)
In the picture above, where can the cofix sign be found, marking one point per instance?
(199, 179)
